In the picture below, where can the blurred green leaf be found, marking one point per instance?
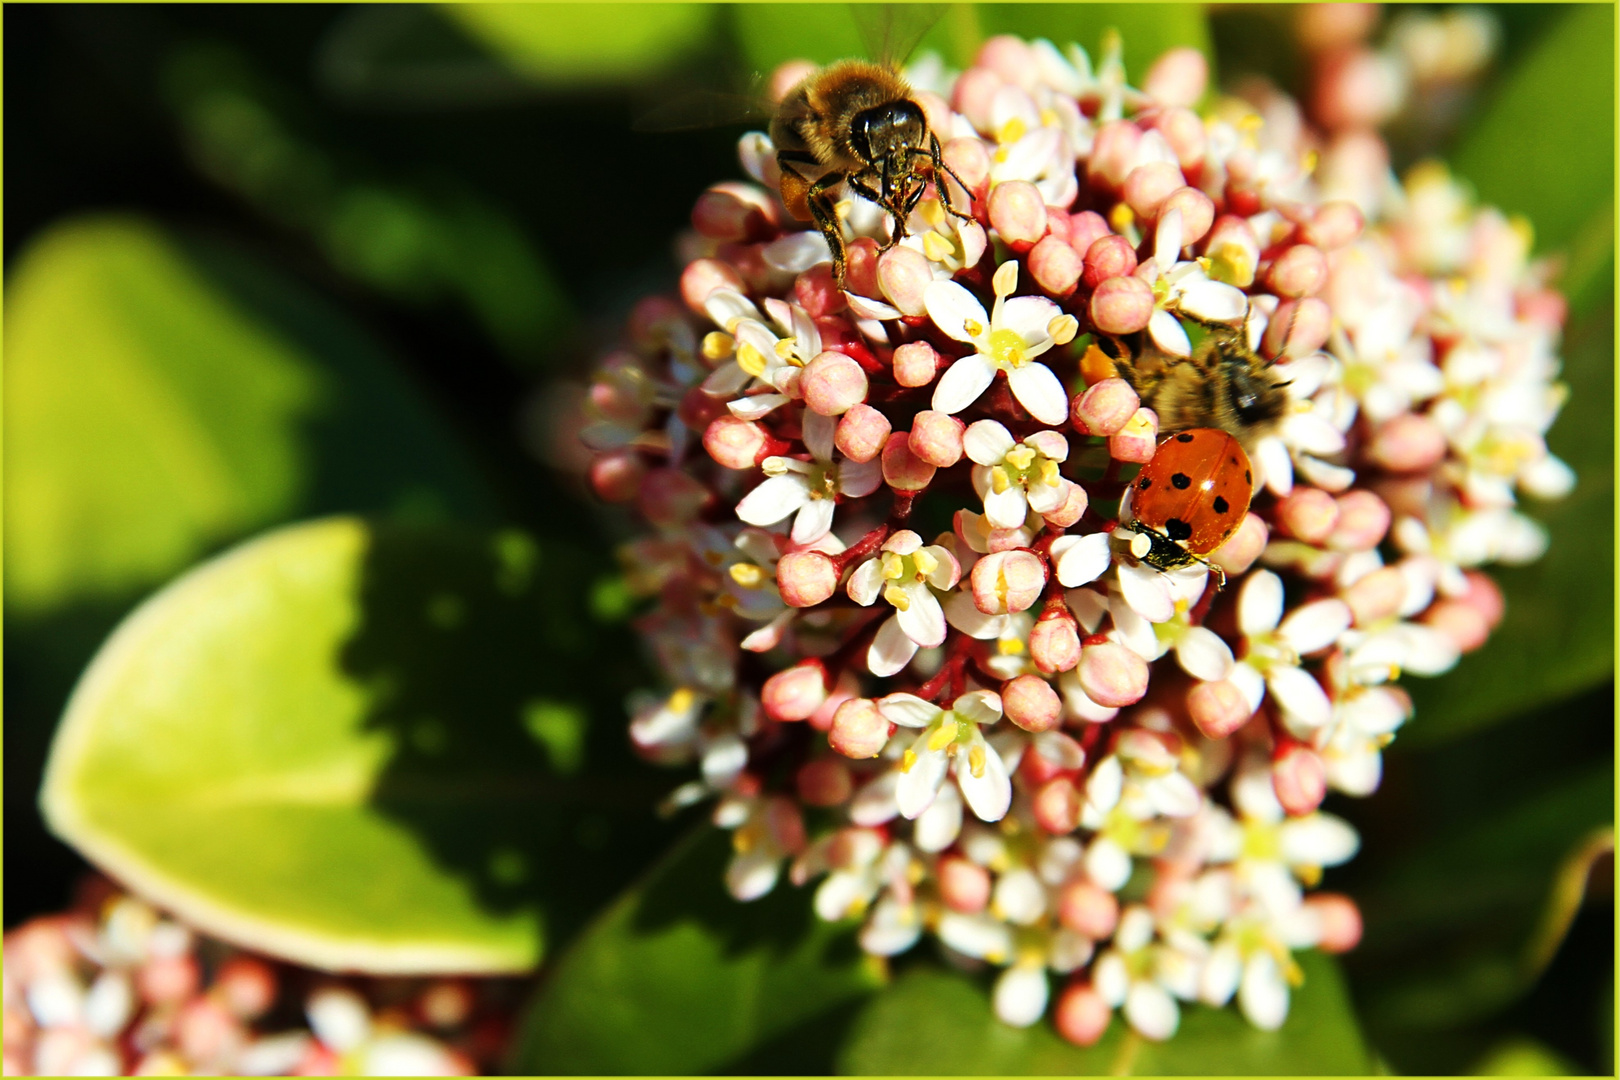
(936, 1022)
(770, 34)
(321, 745)
(164, 395)
(586, 43)
(1147, 30)
(1554, 640)
(1522, 1056)
(678, 977)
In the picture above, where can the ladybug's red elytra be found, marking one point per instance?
(1190, 496)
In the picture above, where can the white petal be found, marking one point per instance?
(871, 309)
(1168, 334)
(1108, 864)
(1318, 840)
(1028, 317)
(774, 500)
(908, 710)
(1214, 301)
(1203, 655)
(990, 793)
(797, 252)
(963, 382)
(1173, 795)
(978, 936)
(924, 620)
(858, 479)
(919, 783)
(1147, 592)
(1081, 559)
(1008, 509)
(981, 707)
(1310, 433)
(756, 405)
(1151, 1010)
(1429, 652)
(752, 874)
(952, 307)
(814, 521)
(1219, 979)
(1104, 785)
(938, 826)
(1111, 978)
(892, 928)
(1261, 604)
(1039, 391)
(1300, 696)
(1316, 625)
(817, 432)
(1021, 994)
(724, 759)
(874, 804)
(1275, 464)
(1263, 996)
(891, 650)
(986, 442)
(1167, 239)
(1250, 682)
(866, 582)
(965, 615)
(724, 306)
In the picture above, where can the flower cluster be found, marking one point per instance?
(906, 641)
(112, 987)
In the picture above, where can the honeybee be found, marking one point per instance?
(857, 121)
(1224, 384)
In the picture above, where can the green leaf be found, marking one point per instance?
(678, 977)
(165, 395)
(1522, 1056)
(1554, 640)
(322, 744)
(931, 1021)
(1147, 30)
(586, 43)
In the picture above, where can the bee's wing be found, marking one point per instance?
(699, 109)
(891, 31)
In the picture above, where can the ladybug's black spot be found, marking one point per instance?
(1144, 483)
(1221, 505)
(1184, 437)
(1232, 460)
(1181, 481)
(1176, 529)
(1247, 479)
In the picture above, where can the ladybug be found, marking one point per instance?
(1190, 496)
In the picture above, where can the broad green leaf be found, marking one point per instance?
(165, 395)
(356, 746)
(678, 977)
(1557, 637)
(770, 34)
(935, 1022)
(586, 43)
(1521, 1056)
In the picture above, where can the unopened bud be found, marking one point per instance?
(903, 274)
(1178, 77)
(859, 730)
(1460, 622)
(1197, 212)
(734, 443)
(1112, 675)
(1149, 185)
(1018, 213)
(1137, 440)
(1055, 266)
(1300, 779)
(1054, 643)
(1031, 703)
(616, 475)
(1109, 256)
(1339, 919)
(1105, 408)
(1082, 1014)
(832, 383)
(1057, 806)
(1113, 153)
(1363, 521)
(1376, 596)
(1088, 909)
(702, 276)
(964, 886)
(968, 159)
(915, 364)
(672, 497)
(1121, 305)
(1408, 443)
(1308, 514)
(806, 578)
(795, 693)
(1073, 507)
(824, 782)
(1184, 131)
(1334, 224)
(1243, 547)
(902, 469)
(1299, 271)
(1217, 708)
(861, 433)
(1298, 328)
(936, 438)
(1007, 581)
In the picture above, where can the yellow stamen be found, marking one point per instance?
(1063, 329)
(924, 562)
(894, 567)
(932, 211)
(1010, 647)
(943, 735)
(681, 700)
(751, 360)
(1021, 456)
(717, 346)
(907, 760)
(1121, 217)
(999, 480)
(784, 348)
(976, 760)
(1049, 473)
(937, 248)
(747, 575)
(897, 596)
(1012, 131)
(1006, 278)
(972, 327)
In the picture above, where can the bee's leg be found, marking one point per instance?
(795, 187)
(938, 160)
(897, 227)
(826, 218)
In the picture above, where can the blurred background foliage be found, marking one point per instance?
(265, 265)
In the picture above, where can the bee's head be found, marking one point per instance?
(888, 129)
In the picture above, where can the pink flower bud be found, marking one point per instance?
(1007, 581)
(1357, 88)
(848, 686)
(1217, 708)
(1018, 213)
(1178, 77)
(1054, 644)
(246, 986)
(902, 469)
(785, 823)
(733, 442)
(1009, 57)
(1243, 547)
(1104, 408)
(1184, 131)
(1057, 806)
(671, 497)
(1137, 440)
(972, 96)
(1377, 595)
(903, 274)
(1113, 151)
(1461, 622)
(1333, 225)
(964, 886)
(915, 364)
(787, 75)
(832, 383)
(1338, 917)
(698, 408)
(1085, 229)
(1031, 703)
(1299, 779)
(1055, 266)
(168, 980)
(936, 438)
(858, 730)
(1147, 186)
(1073, 508)
(1329, 26)
(702, 276)
(1082, 1014)
(1408, 443)
(1299, 271)
(1197, 212)
(795, 693)
(1112, 675)
(446, 1003)
(861, 433)
(1087, 909)
(824, 782)
(1122, 305)
(1109, 256)
(734, 211)
(860, 275)
(816, 292)
(1363, 521)
(1544, 306)
(204, 1031)
(806, 578)
(616, 475)
(968, 159)
(1298, 328)
(1484, 595)
(1308, 514)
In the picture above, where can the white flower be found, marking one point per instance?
(1272, 652)
(1015, 477)
(905, 574)
(949, 734)
(1145, 976)
(809, 489)
(1009, 339)
(760, 357)
(1184, 286)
